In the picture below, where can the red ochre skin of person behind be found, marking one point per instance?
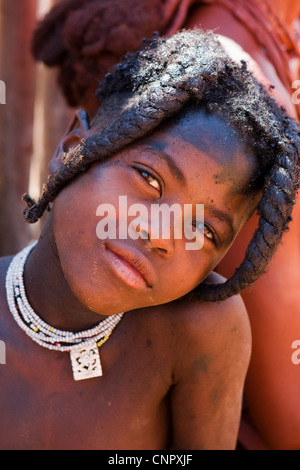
(168, 380)
(272, 385)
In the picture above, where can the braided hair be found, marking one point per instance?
(160, 81)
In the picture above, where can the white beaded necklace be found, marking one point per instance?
(83, 346)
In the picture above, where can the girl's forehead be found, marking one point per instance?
(209, 133)
(197, 141)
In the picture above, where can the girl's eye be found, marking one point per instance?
(151, 180)
(206, 231)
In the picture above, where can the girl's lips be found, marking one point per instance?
(131, 268)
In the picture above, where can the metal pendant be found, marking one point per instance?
(85, 362)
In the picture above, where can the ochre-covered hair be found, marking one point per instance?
(86, 38)
(158, 82)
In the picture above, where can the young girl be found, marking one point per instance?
(75, 39)
(133, 342)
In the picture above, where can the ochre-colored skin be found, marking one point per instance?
(173, 373)
(273, 382)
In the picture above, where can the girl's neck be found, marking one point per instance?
(48, 292)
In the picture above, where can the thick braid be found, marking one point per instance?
(169, 88)
(158, 82)
(275, 210)
(132, 124)
(278, 149)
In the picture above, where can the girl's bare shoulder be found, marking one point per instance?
(188, 311)
(205, 326)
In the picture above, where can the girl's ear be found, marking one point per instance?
(77, 130)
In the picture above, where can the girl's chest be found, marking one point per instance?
(43, 407)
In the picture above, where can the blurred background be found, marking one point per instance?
(80, 41)
(31, 122)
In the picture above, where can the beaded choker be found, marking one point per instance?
(82, 346)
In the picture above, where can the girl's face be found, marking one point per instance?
(196, 160)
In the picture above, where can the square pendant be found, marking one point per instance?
(85, 362)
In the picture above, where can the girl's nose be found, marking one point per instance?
(157, 240)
